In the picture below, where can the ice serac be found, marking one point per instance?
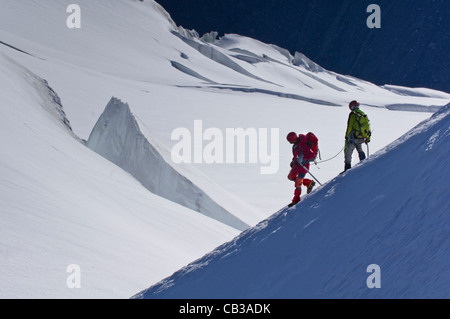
(301, 60)
(119, 137)
(48, 98)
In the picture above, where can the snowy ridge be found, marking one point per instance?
(322, 247)
(293, 73)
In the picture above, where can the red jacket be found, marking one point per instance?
(303, 153)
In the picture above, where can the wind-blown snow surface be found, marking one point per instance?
(392, 211)
(61, 203)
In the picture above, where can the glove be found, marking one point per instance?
(367, 140)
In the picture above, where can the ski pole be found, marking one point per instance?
(310, 174)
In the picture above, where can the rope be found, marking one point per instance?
(332, 157)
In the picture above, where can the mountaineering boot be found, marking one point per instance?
(293, 203)
(310, 187)
(362, 156)
(296, 198)
(347, 167)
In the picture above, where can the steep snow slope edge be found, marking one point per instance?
(392, 211)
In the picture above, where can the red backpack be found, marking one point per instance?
(313, 142)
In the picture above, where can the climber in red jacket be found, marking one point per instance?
(304, 151)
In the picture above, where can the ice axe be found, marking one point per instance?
(310, 174)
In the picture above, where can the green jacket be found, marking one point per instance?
(353, 126)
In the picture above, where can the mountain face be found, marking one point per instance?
(328, 246)
(410, 48)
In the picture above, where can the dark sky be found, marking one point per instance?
(411, 48)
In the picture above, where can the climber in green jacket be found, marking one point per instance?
(358, 132)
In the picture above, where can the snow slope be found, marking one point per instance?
(62, 204)
(391, 212)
